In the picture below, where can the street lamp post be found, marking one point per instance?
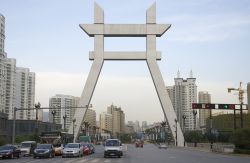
(194, 113)
(14, 126)
(53, 114)
(37, 107)
(176, 142)
(74, 120)
(64, 121)
(184, 118)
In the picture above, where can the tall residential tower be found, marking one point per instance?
(61, 105)
(182, 95)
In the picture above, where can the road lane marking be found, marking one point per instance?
(107, 160)
(95, 160)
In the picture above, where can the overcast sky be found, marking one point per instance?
(209, 37)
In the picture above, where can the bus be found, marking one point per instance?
(57, 138)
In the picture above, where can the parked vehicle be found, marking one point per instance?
(44, 150)
(27, 147)
(113, 147)
(9, 151)
(73, 150)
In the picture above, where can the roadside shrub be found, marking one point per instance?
(241, 138)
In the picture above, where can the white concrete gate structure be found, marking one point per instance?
(150, 30)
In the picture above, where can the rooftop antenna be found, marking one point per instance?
(191, 74)
(178, 74)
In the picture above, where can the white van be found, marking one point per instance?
(113, 147)
(27, 148)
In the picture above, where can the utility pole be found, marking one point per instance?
(14, 127)
(176, 142)
(74, 120)
(64, 122)
(184, 118)
(241, 97)
(194, 113)
(53, 114)
(37, 107)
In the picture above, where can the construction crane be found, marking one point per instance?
(241, 97)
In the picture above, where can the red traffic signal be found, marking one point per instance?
(209, 106)
(196, 106)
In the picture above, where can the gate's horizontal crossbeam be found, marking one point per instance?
(125, 30)
(124, 55)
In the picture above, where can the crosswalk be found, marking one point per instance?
(63, 160)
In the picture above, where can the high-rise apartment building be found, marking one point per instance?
(204, 97)
(106, 122)
(62, 104)
(2, 64)
(24, 93)
(10, 87)
(90, 117)
(17, 85)
(118, 118)
(182, 95)
(2, 35)
(248, 97)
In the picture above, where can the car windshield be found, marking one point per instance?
(72, 146)
(6, 147)
(25, 145)
(112, 143)
(44, 146)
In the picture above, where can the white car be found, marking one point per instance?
(162, 145)
(73, 150)
(113, 147)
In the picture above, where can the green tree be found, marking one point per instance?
(193, 136)
(2, 141)
(22, 138)
(241, 138)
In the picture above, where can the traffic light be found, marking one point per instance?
(226, 106)
(209, 106)
(196, 106)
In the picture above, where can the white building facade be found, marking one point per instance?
(17, 85)
(62, 104)
(182, 95)
(2, 34)
(2, 64)
(24, 93)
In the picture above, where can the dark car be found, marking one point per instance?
(44, 150)
(9, 151)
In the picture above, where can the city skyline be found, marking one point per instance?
(36, 35)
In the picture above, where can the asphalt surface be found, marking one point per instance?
(149, 154)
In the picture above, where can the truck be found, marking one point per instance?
(85, 139)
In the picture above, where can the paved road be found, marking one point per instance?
(149, 154)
